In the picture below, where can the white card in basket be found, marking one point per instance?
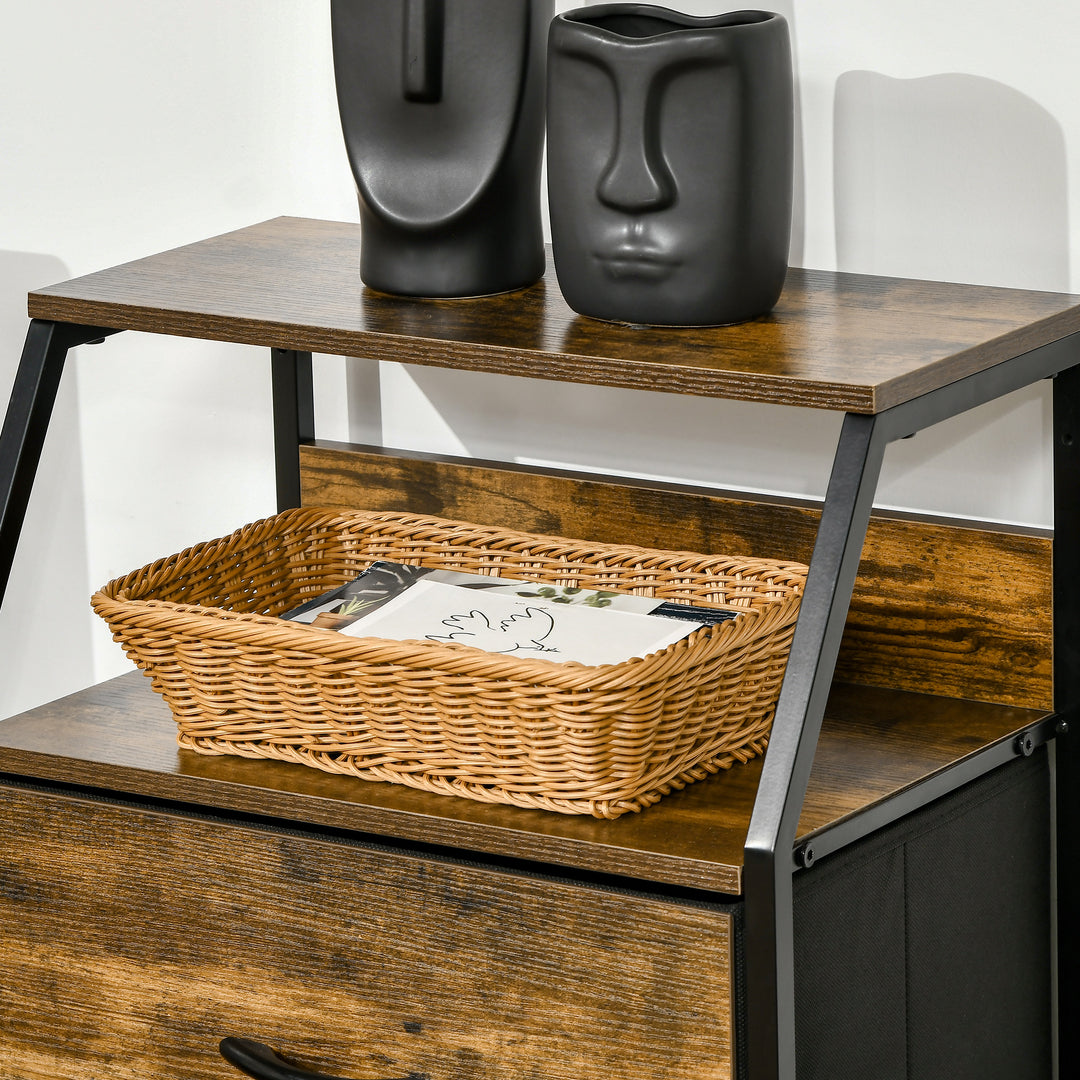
(515, 626)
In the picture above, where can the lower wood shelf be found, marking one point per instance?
(876, 746)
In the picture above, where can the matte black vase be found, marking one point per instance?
(670, 163)
(442, 108)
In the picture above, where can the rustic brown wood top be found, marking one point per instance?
(836, 341)
(120, 736)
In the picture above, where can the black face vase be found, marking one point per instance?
(670, 162)
(442, 108)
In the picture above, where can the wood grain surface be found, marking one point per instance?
(875, 743)
(950, 608)
(132, 941)
(835, 341)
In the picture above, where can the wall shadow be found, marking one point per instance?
(798, 205)
(363, 391)
(45, 625)
(957, 177)
(954, 172)
(667, 437)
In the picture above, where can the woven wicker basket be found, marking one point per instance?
(445, 717)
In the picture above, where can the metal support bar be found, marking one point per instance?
(29, 410)
(832, 838)
(769, 857)
(768, 864)
(294, 419)
(1067, 702)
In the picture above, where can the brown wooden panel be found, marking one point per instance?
(836, 341)
(949, 608)
(132, 941)
(874, 743)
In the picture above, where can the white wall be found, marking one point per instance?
(128, 127)
(935, 140)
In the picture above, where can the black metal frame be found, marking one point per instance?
(294, 419)
(1067, 705)
(771, 856)
(33, 395)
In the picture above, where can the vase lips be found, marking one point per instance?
(635, 264)
(635, 250)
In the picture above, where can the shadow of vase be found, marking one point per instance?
(950, 176)
(957, 177)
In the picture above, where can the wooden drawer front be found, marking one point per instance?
(132, 941)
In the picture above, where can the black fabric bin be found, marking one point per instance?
(924, 951)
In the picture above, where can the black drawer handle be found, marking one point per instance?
(258, 1060)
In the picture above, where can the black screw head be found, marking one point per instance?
(806, 856)
(1025, 744)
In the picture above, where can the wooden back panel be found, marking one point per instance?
(958, 609)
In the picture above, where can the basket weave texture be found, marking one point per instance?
(449, 718)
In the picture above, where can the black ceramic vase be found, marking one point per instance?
(670, 163)
(442, 108)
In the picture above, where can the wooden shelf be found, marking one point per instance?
(835, 341)
(875, 744)
(938, 610)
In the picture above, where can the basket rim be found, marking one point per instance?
(252, 629)
(328, 515)
(448, 658)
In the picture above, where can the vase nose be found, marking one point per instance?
(637, 179)
(633, 183)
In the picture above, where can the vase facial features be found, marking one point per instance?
(655, 183)
(423, 26)
(426, 117)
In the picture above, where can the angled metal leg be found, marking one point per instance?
(29, 410)
(768, 861)
(769, 858)
(1067, 706)
(294, 419)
